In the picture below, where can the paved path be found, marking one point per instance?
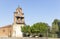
(26, 38)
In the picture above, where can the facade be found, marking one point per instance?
(14, 30)
(6, 31)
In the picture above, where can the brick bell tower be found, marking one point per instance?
(18, 23)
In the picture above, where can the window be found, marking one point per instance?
(3, 30)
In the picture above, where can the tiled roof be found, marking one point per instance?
(7, 26)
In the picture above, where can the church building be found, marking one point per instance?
(14, 30)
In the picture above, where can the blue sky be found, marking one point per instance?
(34, 11)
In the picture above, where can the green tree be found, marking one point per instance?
(26, 30)
(39, 28)
(55, 26)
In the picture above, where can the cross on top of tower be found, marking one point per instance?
(19, 7)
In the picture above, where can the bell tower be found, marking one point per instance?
(19, 16)
(18, 23)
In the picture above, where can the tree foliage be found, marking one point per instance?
(55, 27)
(39, 27)
(35, 28)
(26, 29)
(42, 28)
